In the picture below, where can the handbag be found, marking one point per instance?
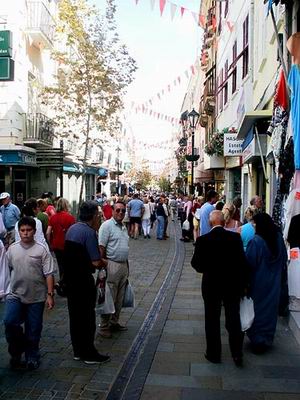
(128, 300)
(107, 307)
(246, 313)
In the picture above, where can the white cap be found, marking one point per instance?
(4, 195)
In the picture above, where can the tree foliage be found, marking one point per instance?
(164, 184)
(93, 71)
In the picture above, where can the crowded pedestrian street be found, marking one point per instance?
(161, 356)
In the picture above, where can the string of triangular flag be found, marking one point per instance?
(158, 115)
(200, 19)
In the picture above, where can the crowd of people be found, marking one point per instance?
(238, 255)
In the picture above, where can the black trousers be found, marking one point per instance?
(213, 305)
(81, 305)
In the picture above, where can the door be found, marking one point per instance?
(19, 187)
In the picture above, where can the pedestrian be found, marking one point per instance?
(11, 214)
(211, 198)
(267, 256)
(257, 202)
(50, 210)
(198, 202)
(237, 202)
(42, 215)
(231, 224)
(146, 224)
(32, 283)
(30, 209)
(152, 210)
(114, 247)
(81, 258)
(220, 257)
(136, 210)
(106, 209)
(161, 217)
(174, 208)
(247, 230)
(58, 226)
(167, 214)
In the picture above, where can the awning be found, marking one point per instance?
(91, 170)
(249, 119)
(73, 168)
(103, 172)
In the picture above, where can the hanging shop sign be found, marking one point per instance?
(17, 158)
(7, 69)
(5, 43)
(232, 146)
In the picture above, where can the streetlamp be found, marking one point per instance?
(118, 168)
(193, 120)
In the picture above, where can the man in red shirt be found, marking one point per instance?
(107, 211)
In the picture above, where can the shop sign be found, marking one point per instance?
(7, 69)
(249, 151)
(232, 146)
(5, 44)
(17, 158)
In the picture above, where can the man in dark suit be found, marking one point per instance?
(219, 255)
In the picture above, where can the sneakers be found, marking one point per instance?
(97, 359)
(148, 236)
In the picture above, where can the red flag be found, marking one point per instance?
(182, 10)
(179, 79)
(230, 26)
(162, 4)
(202, 20)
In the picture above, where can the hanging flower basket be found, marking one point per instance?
(216, 142)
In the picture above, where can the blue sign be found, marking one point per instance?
(16, 157)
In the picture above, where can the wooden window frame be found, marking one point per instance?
(245, 47)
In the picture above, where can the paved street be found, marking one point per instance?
(169, 362)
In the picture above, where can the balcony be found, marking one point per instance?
(209, 93)
(40, 24)
(70, 147)
(38, 130)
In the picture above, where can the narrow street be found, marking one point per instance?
(162, 353)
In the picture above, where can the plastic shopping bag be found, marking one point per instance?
(186, 225)
(4, 272)
(108, 306)
(128, 300)
(246, 313)
(294, 273)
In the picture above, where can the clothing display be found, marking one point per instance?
(294, 83)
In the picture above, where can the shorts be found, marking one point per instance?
(135, 220)
(196, 223)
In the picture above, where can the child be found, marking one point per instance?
(32, 283)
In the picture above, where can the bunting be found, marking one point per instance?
(157, 115)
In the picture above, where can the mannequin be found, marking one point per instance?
(293, 46)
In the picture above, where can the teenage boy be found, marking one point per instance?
(32, 282)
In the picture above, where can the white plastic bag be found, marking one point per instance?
(128, 300)
(4, 272)
(246, 313)
(186, 225)
(108, 306)
(294, 273)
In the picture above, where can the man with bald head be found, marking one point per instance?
(220, 257)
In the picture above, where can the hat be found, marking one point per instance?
(4, 195)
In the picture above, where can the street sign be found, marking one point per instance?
(232, 146)
(7, 69)
(5, 43)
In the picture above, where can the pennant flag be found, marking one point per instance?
(162, 4)
(175, 82)
(186, 73)
(193, 69)
(230, 26)
(152, 2)
(196, 17)
(158, 95)
(158, 115)
(163, 92)
(179, 79)
(182, 10)
(169, 88)
(136, 2)
(173, 8)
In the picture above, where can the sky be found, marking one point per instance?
(163, 49)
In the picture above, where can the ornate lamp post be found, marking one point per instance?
(193, 120)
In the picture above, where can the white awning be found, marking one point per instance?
(249, 119)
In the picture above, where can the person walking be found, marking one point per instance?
(161, 217)
(146, 224)
(136, 210)
(212, 197)
(32, 283)
(220, 257)
(267, 256)
(198, 202)
(114, 247)
(11, 214)
(42, 215)
(247, 231)
(231, 224)
(58, 226)
(174, 208)
(81, 259)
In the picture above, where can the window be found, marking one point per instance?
(226, 8)
(234, 69)
(226, 83)
(245, 47)
(220, 18)
(220, 90)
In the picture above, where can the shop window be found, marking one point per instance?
(226, 83)
(234, 67)
(246, 47)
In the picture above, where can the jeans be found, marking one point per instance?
(19, 340)
(160, 227)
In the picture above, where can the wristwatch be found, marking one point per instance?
(50, 294)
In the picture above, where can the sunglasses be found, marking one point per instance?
(122, 210)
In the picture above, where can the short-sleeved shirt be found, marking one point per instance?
(114, 237)
(10, 214)
(30, 264)
(205, 211)
(84, 235)
(43, 217)
(135, 207)
(60, 223)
